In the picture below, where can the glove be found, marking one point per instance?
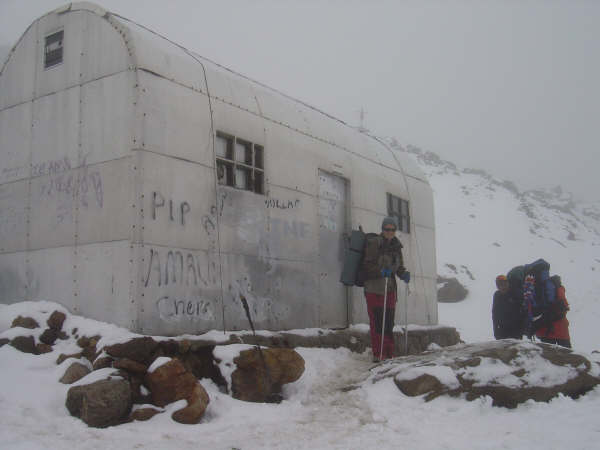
(405, 276)
(386, 273)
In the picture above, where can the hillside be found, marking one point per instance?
(486, 226)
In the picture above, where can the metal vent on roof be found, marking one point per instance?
(53, 50)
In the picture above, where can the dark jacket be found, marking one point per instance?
(381, 254)
(507, 316)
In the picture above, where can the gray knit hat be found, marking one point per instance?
(389, 221)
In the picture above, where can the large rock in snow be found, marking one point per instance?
(100, 404)
(251, 382)
(509, 371)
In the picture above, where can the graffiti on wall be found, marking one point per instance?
(176, 211)
(81, 188)
(174, 267)
(177, 308)
(275, 203)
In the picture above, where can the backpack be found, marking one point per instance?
(538, 293)
(353, 257)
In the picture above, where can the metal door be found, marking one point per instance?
(332, 226)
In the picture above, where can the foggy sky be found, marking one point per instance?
(508, 86)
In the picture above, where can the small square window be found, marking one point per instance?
(53, 49)
(224, 173)
(399, 209)
(243, 152)
(223, 146)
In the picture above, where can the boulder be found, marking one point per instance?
(49, 336)
(74, 372)
(138, 349)
(25, 322)
(451, 291)
(197, 404)
(509, 371)
(56, 320)
(143, 414)
(42, 348)
(251, 382)
(63, 357)
(100, 404)
(170, 382)
(4, 341)
(130, 365)
(25, 344)
(102, 363)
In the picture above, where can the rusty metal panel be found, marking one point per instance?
(178, 203)
(15, 142)
(176, 120)
(332, 230)
(180, 291)
(17, 80)
(13, 216)
(107, 118)
(102, 198)
(103, 272)
(55, 144)
(14, 281)
(282, 296)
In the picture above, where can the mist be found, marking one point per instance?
(510, 87)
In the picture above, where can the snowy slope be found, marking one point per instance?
(485, 226)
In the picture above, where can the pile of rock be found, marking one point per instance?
(138, 378)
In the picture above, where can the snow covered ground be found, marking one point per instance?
(482, 229)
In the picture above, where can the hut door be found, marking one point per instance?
(333, 303)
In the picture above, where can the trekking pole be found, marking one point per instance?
(406, 292)
(383, 322)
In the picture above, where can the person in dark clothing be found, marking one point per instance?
(507, 315)
(383, 261)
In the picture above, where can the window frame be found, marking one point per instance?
(400, 209)
(56, 61)
(229, 165)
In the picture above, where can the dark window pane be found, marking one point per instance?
(243, 178)
(53, 50)
(259, 182)
(258, 157)
(223, 147)
(224, 173)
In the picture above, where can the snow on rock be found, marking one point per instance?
(509, 371)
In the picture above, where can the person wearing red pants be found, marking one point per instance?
(382, 261)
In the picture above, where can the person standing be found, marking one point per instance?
(557, 331)
(507, 313)
(382, 261)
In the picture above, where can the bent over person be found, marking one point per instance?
(382, 261)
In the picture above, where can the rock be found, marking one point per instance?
(170, 382)
(452, 291)
(76, 371)
(4, 341)
(42, 348)
(25, 344)
(100, 404)
(49, 336)
(197, 404)
(56, 320)
(130, 365)
(509, 371)
(25, 322)
(138, 349)
(250, 381)
(143, 414)
(85, 341)
(103, 363)
(62, 357)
